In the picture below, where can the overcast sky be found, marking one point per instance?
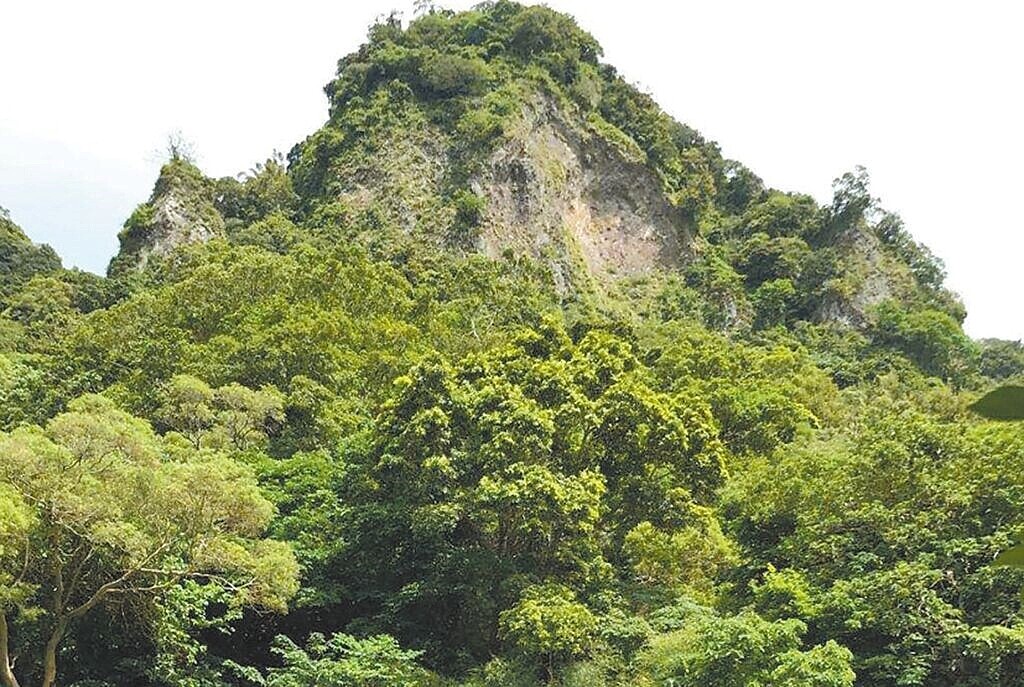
(926, 95)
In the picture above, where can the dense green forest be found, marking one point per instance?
(501, 378)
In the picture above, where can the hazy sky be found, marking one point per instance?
(926, 95)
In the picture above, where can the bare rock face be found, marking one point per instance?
(404, 178)
(871, 275)
(180, 211)
(559, 191)
(553, 188)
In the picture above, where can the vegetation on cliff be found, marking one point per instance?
(501, 378)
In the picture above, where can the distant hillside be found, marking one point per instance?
(20, 259)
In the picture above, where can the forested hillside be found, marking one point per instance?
(501, 378)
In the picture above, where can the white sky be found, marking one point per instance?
(926, 95)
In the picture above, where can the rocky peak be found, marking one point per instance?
(180, 211)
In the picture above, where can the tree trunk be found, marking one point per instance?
(6, 669)
(50, 653)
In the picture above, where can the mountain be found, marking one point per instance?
(501, 378)
(499, 131)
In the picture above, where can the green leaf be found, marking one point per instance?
(1004, 403)
(1013, 557)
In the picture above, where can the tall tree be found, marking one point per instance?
(101, 508)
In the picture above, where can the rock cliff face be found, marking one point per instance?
(180, 211)
(872, 275)
(559, 191)
(551, 187)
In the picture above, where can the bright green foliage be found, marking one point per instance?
(930, 338)
(232, 415)
(740, 651)
(687, 558)
(785, 594)
(23, 393)
(20, 259)
(1001, 359)
(188, 407)
(343, 661)
(177, 619)
(265, 191)
(755, 470)
(548, 622)
(116, 513)
(761, 397)
(886, 535)
(258, 318)
(532, 462)
(1004, 403)
(782, 215)
(826, 665)
(763, 258)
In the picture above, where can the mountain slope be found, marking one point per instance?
(179, 212)
(499, 131)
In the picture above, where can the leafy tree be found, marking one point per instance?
(263, 191)
(550, 623)
(1004, 403)
(782, 215)
(103, 510)
(930, 338)
(773, 302)
(685, 560)
(504, 468)
(1001, 359)
(20, 259)
(876, 555)
(188, 407)
(740, 472)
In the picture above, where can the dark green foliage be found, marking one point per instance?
(1004, 403)
(930, 338)
(876, 554)
(1001, 359)
(739, 189)
(20, 259)
(495, 475)
(469, 209)
(264, 190)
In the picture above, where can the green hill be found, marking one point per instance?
(501, 378)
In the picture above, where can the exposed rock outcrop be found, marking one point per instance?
(180, 211)
(871, 275)
(559, 191)
(553, 187)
